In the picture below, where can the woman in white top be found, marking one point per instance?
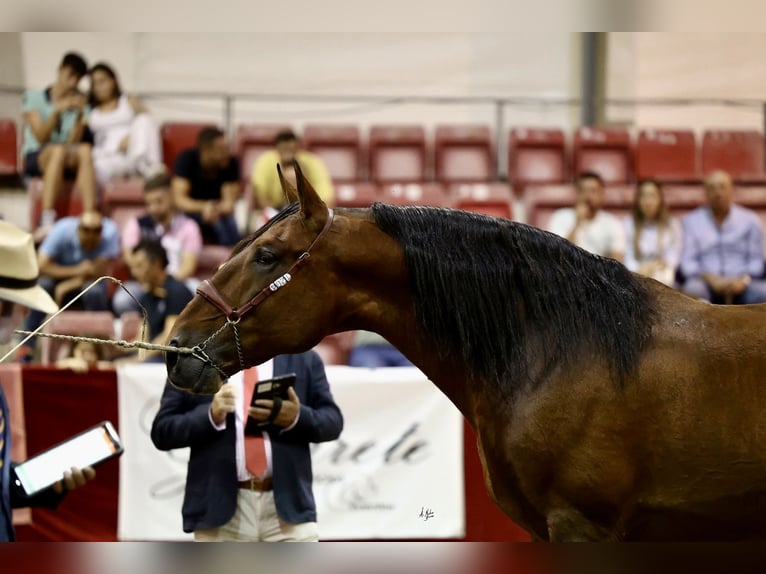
(653, 237)
(126, 139)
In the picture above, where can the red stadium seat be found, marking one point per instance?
(338, 147)
(9, 155)
(177, 137)
(542, 200)
(495, 199)
(359, 194)
(210, 258)
(681, 199)
(89, 323)
(68, 201)
(464, 154)
(335, 349)
(739, 152)
(536, 156)
(608, 152)
(123, 199)
(414, 194)
(397, 154)
(667, 156)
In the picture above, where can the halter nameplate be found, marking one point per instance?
(280, 282)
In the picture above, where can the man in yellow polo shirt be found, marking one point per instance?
(266, 188)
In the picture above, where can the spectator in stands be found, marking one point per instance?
(652, 236)
(255, 487)
(18, 293)
(53, 139)
(164, 297)
(84, 356)
(587, 225)
(126, 140)
(179, 235)
(206, 187)
(722, 256)
(77, 251)
(372, 350)
(265, 180)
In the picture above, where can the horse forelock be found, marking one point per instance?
(513, 300)
(245, 242)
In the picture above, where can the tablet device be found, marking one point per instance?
(88, 448)
(274, 389)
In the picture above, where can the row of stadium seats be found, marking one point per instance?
(124, 199)
(404, 154)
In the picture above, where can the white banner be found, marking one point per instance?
(396, 471)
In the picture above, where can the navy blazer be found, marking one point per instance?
(210, 499)
(12, 495)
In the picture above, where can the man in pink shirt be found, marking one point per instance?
(178, 234)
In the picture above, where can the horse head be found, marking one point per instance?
(263, 300)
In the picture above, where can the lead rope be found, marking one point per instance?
(196, 351)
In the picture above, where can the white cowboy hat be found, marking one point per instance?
(19, 270)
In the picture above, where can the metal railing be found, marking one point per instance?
(226, 108)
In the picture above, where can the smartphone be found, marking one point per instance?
(268, 389)
(88, 448)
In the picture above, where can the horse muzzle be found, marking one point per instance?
(190, 373)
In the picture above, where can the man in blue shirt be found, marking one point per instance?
(722, 258)
(19, 292)
(77, 251)
(53, 138)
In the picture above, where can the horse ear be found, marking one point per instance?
(311, 203)
(287, 188)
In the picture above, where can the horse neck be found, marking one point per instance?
(376, 296)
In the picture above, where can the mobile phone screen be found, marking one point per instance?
(83, 450)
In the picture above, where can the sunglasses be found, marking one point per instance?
(90, 229)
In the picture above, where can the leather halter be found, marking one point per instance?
(233, 315)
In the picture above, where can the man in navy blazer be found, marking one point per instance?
(223, 500)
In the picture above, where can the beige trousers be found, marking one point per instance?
(256, 520)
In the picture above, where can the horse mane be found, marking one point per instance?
(513, 300)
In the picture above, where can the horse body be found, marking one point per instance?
(675, 454)
(656, 434)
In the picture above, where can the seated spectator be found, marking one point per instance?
(164, 296)
(586, 224)
(206, 187)
(53, 139)
(652, 236)
(722, 255)
(84, 356)
(372, 350)
(77, 251)
(178, 234)
(126, 140)
(267, 190)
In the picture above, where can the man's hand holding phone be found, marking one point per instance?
(288, 412)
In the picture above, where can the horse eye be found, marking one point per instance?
(265, 257)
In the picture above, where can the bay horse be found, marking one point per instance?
(606, 405)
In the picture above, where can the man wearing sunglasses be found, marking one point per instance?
(77, 251)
